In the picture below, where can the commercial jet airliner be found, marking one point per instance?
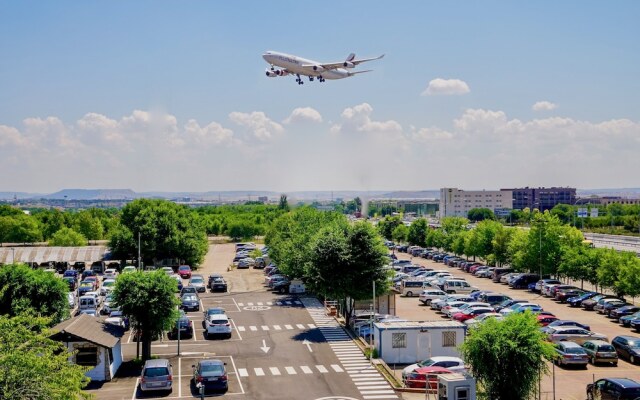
(294, 65)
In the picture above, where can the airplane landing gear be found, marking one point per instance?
(320, 79)
(299, 80)
(311, 79)
(272, 68)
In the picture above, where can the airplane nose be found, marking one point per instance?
(266, 56)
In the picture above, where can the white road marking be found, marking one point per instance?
(291, 370)
(288, 326)
(277, 327)
(311, 326)
(240, 304)
(322, 369)
(259, 371)
(300, 326)
(336, 368)
(241, 328)
(306, 369)
(265, 328)
(253, 328)
(269, 303)
(243, 372)
(259, 303)
(274, 371)
(249, 304)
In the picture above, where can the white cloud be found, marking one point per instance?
(212, 134)
(441, 86)
(303, 114)
(359, 118)
(263, 128)
(544, 106)
(428, 134)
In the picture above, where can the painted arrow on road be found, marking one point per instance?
(308, 344)
(264, 346)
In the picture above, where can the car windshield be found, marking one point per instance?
(606, 347)
(574, 350)
(211, 369)
(197, 280)
(633, 344)
(214, 311)
(189, 297)
(155, 372)
(426, 363)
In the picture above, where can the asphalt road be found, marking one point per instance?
(282, 347)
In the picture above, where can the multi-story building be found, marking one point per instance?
(457, 203)
(542, 198)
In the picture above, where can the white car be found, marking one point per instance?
(431, 294)
(517, 306)
(218, 324)
(110, 273)
(71, 298)
(107, 306)
(482, 318)
(107, 286)
(451, 363)
(437, 304)
(96, 296)
(450, 312)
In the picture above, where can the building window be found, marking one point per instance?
(399, 340)
(87, 356)
(449, 339)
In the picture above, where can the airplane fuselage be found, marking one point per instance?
(294, 65)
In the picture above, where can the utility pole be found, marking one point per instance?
(139, 263)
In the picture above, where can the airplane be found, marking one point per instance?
(294, 65)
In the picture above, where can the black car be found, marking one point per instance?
(190, 302)
(71, 281)
(211, 374)
(627, 347)
(577, 301)
(217, 283)
(613, 389)
(623, 311)
(185, 326)
(281, 286)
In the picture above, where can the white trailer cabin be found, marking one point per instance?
(407, 342)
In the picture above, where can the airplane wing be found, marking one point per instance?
(350, 62)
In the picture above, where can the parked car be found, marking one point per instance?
(218, 324)
(178, 280)
(71, 282)
(183, 325)
(613, 389)
(190, 302)
(571, 353)
(626, 320)
(184, 271)
(128, 268)
(217, 283)
(522, 281)
(568, 322)
(188, 289)
(601, 306)
(471, 313)
(600, 352)
(426, 296)
(563, 295)
(493, 298)
(542, 282)
(419, 377)
(588, 304)
(620, 312)
(107, 286)
(211, 374)
(156, 374)
(107, 306)
(197, 281)
(483, 317)
(508, 303)
(451, 363)
(577, 301)
(627, 347)
(84, 287)
(71, 299)
(247, 262)
(573, 333)
(545, 320)
(110, 273)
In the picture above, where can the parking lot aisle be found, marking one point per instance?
(369, 382)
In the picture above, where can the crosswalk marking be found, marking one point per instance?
(274, 371)
(249, 304)
(322, 369)
(240, 328)
(259, 303)
(290, 370)
(306, 369)
(253, 328)
(277, 327)
(265, 328)
(243, 372)
(311, 326)
(336, 368)
(300, 326)
(288, 326)
(259, 371)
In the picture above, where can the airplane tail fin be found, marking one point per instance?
(351, 57)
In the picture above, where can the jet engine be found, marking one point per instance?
(271, 74)
(348, 64)
(318, 68)
(282, 72)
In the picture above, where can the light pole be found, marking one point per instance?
(13, 255)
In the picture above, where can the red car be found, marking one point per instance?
(418, 378)
(545, 320)
(469, 314)
(184, 271)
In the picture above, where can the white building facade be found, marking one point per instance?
(456, 202)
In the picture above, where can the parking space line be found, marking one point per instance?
(291, 370)
(235, 369)
(311, 326)
(249, 304)
(259, 303)
(237, 305)
(179, 375)
(269, 303)
(236, 328)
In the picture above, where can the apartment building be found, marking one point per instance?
(457, 202)
(542, 198)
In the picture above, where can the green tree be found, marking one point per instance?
(283, 204)
(88, 225)
(25, 290)
(480, 214)
(167, 230)
(418, 232)
(500, 244)
(400, 234)
(19, 228)
(148, 298)
(35, 367)
(356, 254)
(388, 224)
(67, 237)
(241, 230)
(508, 357)
(458, 245)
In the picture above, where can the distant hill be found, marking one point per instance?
(419, 194)
(17, 195)
(623, 192)
(90, 194)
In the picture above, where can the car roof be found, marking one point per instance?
(624, 382)
(598, 342)
(158, 362)
(566, 328)
(211, 362)
(628, 337)
(568, 344)
(445, 358)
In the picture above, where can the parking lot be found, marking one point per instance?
(570, 383)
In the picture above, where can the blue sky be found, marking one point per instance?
(165, 95)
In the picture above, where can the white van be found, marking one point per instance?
(87, 303)
(411, 288)
(458, 286)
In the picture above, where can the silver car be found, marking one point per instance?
(156, 375)
(198, 282)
